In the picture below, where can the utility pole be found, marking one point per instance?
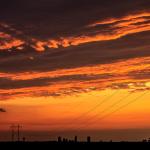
(15, 131)
(18, 132)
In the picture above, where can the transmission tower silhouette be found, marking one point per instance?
(15, 132)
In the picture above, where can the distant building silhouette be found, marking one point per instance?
(144, 140)
(59, 139)
(65, 140)
(88, 139)
(23, 139)
(75, 139)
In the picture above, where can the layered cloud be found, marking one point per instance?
(133, 75)
(113, 28)
(104, 30)
(85, 46)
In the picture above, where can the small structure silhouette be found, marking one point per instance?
(65, 140)
(75, 139)
(88, 139)
(144, 140)
(23, 139)
(59, 139)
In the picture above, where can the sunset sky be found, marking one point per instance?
(81, 65)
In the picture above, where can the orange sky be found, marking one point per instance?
(81, 108)
(83, 67)
(75, 112)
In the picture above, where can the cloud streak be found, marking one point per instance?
(117, 28)
(7, 39)
(132, 76)
(85, 46)
(113, 29)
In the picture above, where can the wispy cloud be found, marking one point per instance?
(103, 30)
(85, 47)
(130, 19)
(131, 76)
(115, 28)
(8, 39)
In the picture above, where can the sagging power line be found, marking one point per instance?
(114, 111)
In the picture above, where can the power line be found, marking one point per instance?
(117, 109)
(111, 106)
(81, 103)
(125, 105)
(96, 106)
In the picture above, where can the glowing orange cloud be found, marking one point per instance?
(125, 18)
(120, 27)
(116, 28)
(128, 66)
(4, 35)
(39, 46)
(118, 79)
(13, 43)
(8, 41)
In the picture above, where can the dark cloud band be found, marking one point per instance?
(71, 35)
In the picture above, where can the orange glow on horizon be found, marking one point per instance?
(70, 112)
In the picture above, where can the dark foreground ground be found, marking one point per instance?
(70, 145)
